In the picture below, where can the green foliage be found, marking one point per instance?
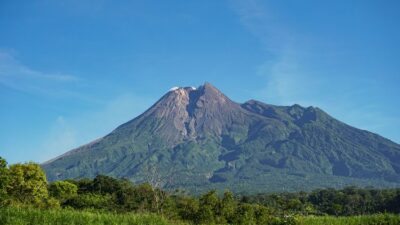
(63, 190)
(30, 216)
(187, 208)
(105, 185)
(344, 202)
(91, 201)
(263, 214)
(245, 214)
(52, 203)
(378, 219)
(126, 196)
(209, 203)
(145, 198)
(3, 163)
(28, 184)
(4, 180)
(228, 207)
(25, 216)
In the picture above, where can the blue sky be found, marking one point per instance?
(71, 71)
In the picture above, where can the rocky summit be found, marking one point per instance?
(198, 139)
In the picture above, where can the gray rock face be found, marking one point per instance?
(201, 139)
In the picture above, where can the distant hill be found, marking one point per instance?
(198, 139)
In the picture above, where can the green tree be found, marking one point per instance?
(188, 207)
(144, 197)
(263, 214)
(91, 201)
(228, 207)
(27, 183)
(245, 214)
(126, 196)
(4, 179)
(105, 185)
(294, 204)
(208, 206)
(63, 190)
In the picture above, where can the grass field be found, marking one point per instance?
(379, 219)
(30, 216)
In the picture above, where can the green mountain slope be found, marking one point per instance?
(198, 139)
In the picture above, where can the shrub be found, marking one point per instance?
(63, 190)
(92, 201)
(27, 184)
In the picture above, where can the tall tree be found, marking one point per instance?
(208, 206)
(228, 206)
(4, 179)
(63, 190)
(28, 183)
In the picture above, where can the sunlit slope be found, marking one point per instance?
(200, 139)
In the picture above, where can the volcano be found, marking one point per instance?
(198, 139)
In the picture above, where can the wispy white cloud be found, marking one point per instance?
(10, 67)
(262, 23)
(292, 71)
(61, 135)
(285, 78)
(17, 76)
(69, 132)
(297, 71)
(285, 82)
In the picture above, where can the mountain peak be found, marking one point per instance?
(210, 89)
(211, 141)
(209, 86)
(206, 87)
(203, 95)
(181, 88)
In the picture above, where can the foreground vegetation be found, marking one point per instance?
(27, 198)
(25, 216)
(380, 219)
(30, 216)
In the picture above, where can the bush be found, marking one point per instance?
(27, 184)
(91, 201)
(4, 180)
(63, 190)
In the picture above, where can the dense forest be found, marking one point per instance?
(25, 185)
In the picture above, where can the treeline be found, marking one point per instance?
(349, 201)
(26, 185)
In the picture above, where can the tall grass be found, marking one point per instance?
(378, 219)
(30, 216)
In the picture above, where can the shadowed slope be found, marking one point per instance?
(201, 139)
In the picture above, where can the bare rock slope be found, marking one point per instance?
(200, 139)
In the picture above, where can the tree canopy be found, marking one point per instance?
(26, 184)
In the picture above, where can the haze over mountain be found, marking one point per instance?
(197, 139)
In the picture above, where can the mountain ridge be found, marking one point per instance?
(210, 141)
